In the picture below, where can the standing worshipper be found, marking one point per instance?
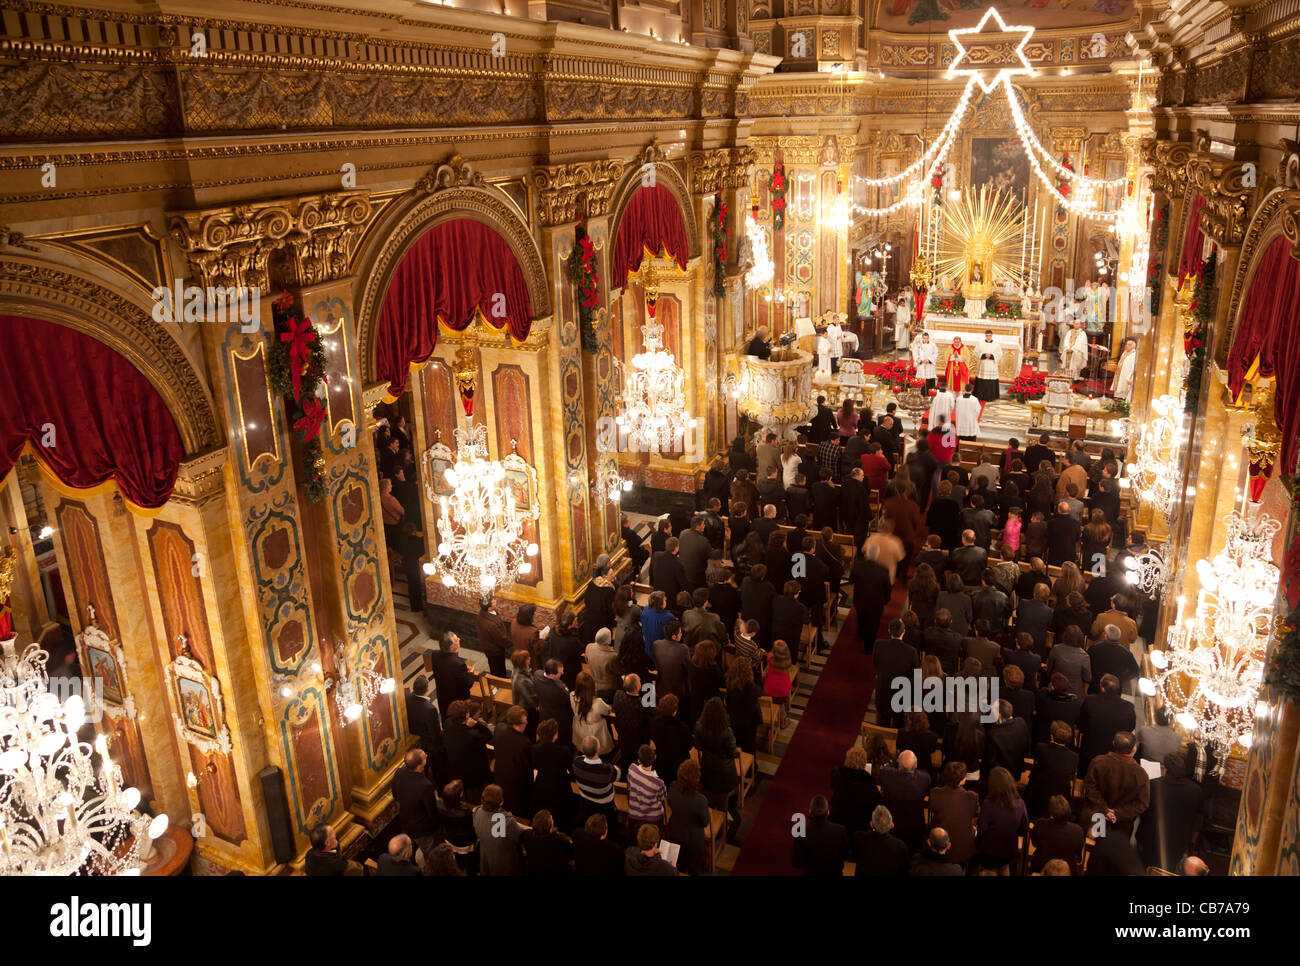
(967, 416)
(835, 337)
(956, 373)
(1074, 351)
(902, 318)
(987, 358)
(925, 354)
(1124, 372)
(942, 406)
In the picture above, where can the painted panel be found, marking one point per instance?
(86, 571)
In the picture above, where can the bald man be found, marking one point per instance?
(904, 789)
(398, 860)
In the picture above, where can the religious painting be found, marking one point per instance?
(919, 16)
(517, 483)
(103, 671)
(104, 663)
(438, 466)
(1000, 165)
(198, 710)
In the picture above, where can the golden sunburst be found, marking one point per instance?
(982, 236)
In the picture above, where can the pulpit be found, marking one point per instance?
(777, 392)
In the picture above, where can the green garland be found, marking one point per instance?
(1282, 671)
(586, 285)
(718, 230)
(306, 422)
(1155, 267)
(1194, 344)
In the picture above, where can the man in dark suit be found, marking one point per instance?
(693, 551)
(816, 574)
(986, 651)
(513, 767)
(467, 741)
(553, 699)
(1177, 808)
(798, 499)
(942, 641)
(1056, 702)
(759, 346)
(671, 657)
(667, 574)
(824, 846)
(877, 851)
(417, 802)
(1035, 616)
(1035, 454)
(767, 524)
(933, 858)
(855, 513)
(1103, 716)
(856, 446)
(1055, 766)
(822, 426)
(825, 502)
(884, 434)
(871, 590)
(1109, 656)
(398, 859)
(893, 659)
(935, 556)
(452, 675)
(493, 637)
(1024, 657)
(426, 724)
(788, 616)
(990, 605)
(904, 789)
(969, 561)
(1116, 789)
(1007, 743)
(1062, 536)
(772, 492)
(635, 546)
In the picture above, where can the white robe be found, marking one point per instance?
(835, 336)
(823, 355)
(941, 405)
(1124, 376)
(902, 317)
(968, 416)
(1074, 352)
(987, 368)
(924, 357)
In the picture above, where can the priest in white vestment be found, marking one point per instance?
(1074, 350)
(835, 336)
(902, 319)
(942, 406)
(1124, 372)
(967, 410)
(988, 355)
(925, 355)
(823, 356)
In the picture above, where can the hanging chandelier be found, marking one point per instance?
(654, 415)
(483, 506)
(1156, 472)
(610, 484)
(1213, 668)
(355, 692)
(1149, 571)
(59, 815)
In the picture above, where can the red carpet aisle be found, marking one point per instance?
(830, 725)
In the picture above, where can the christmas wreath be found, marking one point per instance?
(1282, 672)
(1194, 340)
(777, 190)
(296, 364)
(718, 227)
(1027, 387)
(582, 269)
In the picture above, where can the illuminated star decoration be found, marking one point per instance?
(1003, 73)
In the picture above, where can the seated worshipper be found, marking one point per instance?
(933, 858)
(644, 858)
(398, 860)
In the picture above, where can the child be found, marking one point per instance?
(1011, 530)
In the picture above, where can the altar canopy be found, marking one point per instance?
(1267, 341)
(90, 417)
(652, 222)
(455, 270)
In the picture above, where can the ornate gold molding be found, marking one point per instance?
(201, 479)
(14, 239)
(43, 290)
(1168, 161)
(232, 246)
(1225, 214)
(1277, 215)
(721, 168)
(566, 191)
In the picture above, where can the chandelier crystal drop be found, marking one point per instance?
(59, 813)
(1149, 571)
(1213, 669)
(355, 692)
(610, 484)
(1156, 472)
(654, 415)
(482, 547)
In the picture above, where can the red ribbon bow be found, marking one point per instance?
(299, 335)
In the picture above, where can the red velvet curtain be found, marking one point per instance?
(104, 418)
(453, 269)
(653, 221)
(1269, 331)
(1190, 261)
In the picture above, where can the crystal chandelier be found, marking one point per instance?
(1155, 472)
(1211, 673)
(610, 484)
(58, 814)
(355, 692)
(1148, 571)
(482, 509)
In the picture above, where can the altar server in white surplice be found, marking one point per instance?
(988, 354)
(1074, 350)
(942, 406)
(925, 355)
(902, 319)
(968, 416)
(1124, 372)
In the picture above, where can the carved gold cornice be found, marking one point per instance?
(201, 479)
(232, 246)
(455, 172)
(1168, 161)
(1068, 139)
(721, 168)
(565, 191)
(1226, 211)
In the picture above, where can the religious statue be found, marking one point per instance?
(957, 373)
(976, 274)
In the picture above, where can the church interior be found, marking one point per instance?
(479, 437)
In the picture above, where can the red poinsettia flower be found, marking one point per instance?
(310, 422)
